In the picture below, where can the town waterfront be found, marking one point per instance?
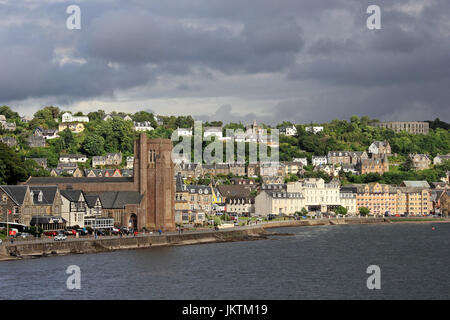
(321, 262)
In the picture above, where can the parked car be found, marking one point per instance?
(82, 232)
(23, 235)
(51, 233)
(60, 237)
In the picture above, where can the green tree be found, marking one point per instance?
(341, 210)
(93, 145)
(364, 211)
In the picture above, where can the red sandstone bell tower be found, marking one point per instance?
(154, 169)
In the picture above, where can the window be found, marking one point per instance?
(4, 198)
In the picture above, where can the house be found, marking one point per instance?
(346, 157)
(278, 203)
(420, 161)
(253, 170)
(350, 168)
(445, 203)
(274, 169)
(74, 158)
(2, 118)
(374, 165)
(130, 162)
(237, 169)
(414, 127)
(331, 170)
(41, 161)
(213, 132)
(303, 161)
(439, 158)
(36, 141)
(98, 161)
(74, 127)
(143, 126)
(189, 170)
(73, 208)
(26, 119)
(238, 198)
(24, 203)
(200, 197)
(124, 117)
(9, 141)
(180, 158)
(292, 167)
(183, 132)
(111, 159)
(314, 129)
(318, 160)
(380, 148)
(48, 134)
(46, 201)
(9, 126)
(288, 131)
(67, 117)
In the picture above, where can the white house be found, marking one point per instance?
(73, 158)
(439, 158)
(73, 208)
(143, 126)
(304, 161)
(213, 131)
(319, 160)
(67, 117)
(288, 131)
(184, 132)
(314, 129)
(130, 161)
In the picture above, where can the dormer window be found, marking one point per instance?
(40, 196)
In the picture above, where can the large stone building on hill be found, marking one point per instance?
(151, 188)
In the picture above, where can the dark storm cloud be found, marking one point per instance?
(323, 61)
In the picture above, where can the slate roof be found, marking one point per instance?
(416, 184)
(91, 200)
(71, 195)
(58, 180)
(48, 194)
(117, 199)
(16, 193)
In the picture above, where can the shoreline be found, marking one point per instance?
(47, 248)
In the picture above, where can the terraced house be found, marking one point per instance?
(411, 197)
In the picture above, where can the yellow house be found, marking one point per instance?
(74, 127)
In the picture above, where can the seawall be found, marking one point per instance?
(29, 249)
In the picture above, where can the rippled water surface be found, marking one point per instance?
(323, 262)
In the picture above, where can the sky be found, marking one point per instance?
(231, 60)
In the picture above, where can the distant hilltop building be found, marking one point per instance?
(314, 129)
(414, 127)
(67, 117)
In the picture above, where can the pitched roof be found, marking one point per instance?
(91, 200)
(416, 184)
(71, 195)
(16, 193)
(117, 199)
(48, 194)
(58, 180)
